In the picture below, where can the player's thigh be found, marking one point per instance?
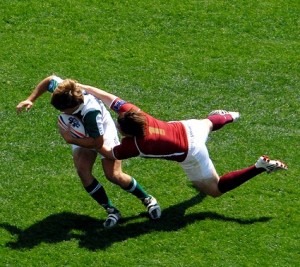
(113, 172)
(84, 159)
(205, 179)
(201, 171)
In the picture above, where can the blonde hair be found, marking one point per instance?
(67, 95)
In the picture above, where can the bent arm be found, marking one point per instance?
(104, 96)
(87, 142)
(40, 89)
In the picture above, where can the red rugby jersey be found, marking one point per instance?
(167, 140)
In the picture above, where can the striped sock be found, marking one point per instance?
(97, 192)
(136, 189)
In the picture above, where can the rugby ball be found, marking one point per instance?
(77, 128)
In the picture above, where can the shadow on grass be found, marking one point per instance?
(92, 236)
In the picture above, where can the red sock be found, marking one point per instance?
(219, 121)
(234, 179)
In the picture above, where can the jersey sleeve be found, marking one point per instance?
(55, 81)
(127, 149)
(93, 124)
(119, 105)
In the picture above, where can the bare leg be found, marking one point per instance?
(113, 172)
(84, 160)
(208, 186)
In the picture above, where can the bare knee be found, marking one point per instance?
(119, 178)
(85, 175)
(208, 187)
(113, 172)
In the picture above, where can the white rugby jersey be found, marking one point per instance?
(95, 117)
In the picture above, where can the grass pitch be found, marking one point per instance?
(177, 60)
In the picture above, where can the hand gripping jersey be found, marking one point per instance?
(167, 140)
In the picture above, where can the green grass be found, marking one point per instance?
(177, 60)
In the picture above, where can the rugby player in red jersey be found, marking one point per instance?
(182, 141)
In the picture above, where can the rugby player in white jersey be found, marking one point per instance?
(101, 130)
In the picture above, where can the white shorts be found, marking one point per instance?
(197, 165)
(111, 137)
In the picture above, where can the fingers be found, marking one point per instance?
(65, 132)
(61, 126)
(20, 109)
(24, 104)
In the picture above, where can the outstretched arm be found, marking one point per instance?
(105, 97)
(36, 93)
